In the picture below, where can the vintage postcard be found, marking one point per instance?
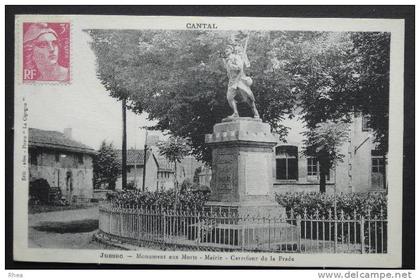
(208, 140)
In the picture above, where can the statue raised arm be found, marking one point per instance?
(239, 83)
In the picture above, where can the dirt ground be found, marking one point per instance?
(77, 240)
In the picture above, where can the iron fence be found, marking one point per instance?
(228, 231)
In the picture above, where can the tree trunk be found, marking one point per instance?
(322, 182)
(323, 171)
(124, 144)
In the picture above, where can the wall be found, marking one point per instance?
(304, 183)
(186, 168)
(56, 172)
(135, 174)
(205, 176)
(165, 179)
(363, 143)
(151, 173)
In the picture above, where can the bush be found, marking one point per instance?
(162, 198)
(361, 203)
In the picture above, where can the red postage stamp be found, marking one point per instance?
(46, 51)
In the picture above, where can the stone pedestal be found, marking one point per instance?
(242, 150)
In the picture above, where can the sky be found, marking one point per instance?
(84, 105)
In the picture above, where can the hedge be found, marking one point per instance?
(162, 198)
(361, 203)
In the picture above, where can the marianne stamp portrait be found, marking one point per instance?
(46, 52)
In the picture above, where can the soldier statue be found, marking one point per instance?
(239, 84)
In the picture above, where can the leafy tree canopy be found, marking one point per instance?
(178, 77)
(174, 149)
(106, 166)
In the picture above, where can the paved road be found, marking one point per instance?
(64, 216)
(42, 239)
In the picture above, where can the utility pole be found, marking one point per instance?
(144, 162)
(124, 144)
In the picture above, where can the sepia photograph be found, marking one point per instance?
(208, 141)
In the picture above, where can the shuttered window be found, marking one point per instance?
(287, 163)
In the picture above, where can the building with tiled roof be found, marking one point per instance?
(135, 169)
(61, 160)
(56, 140)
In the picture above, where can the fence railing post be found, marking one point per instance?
(335, 232)
(299, 232)
(164, 225)
(243, 236)
(120, 221)
(362, 234)
(170, 226)
(198, 228)
(110, 220)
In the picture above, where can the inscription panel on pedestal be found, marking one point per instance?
(224, 175)
(257, 174)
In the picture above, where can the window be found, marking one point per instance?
(312, 164)
(378, 162)
(378, 165)
(33, 157)
(365, 123)
(286, 163)
(80, 158)
(313, 168)
(57, 157)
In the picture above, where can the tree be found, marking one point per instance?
(106, 167)
(372, 98)
(178, 78)
(106, 51)
(324, 142)
(174, 150)
(336, 75)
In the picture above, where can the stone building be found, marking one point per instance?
(363, 168)
(135, 169)
(166, 174)
(166, 170)
(62, 161)
(159, 172)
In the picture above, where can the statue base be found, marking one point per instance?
(242, 167)
(232, 119)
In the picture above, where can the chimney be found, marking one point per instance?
(67, 132)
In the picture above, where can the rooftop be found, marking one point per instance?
(133, 156)
(56, 140)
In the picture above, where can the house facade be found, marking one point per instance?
(166, 175)
(363, 168)
(166, 170)
(62, 161)
(135, 169)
